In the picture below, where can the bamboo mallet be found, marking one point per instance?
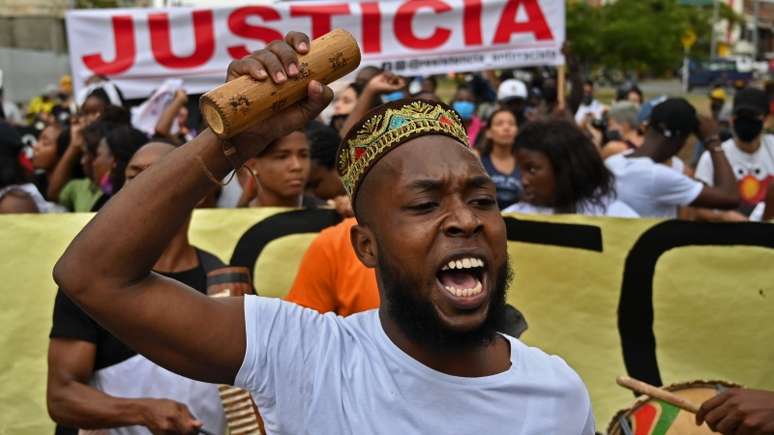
(232, 107)
(657, 393)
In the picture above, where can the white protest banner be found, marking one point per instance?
(140, 48)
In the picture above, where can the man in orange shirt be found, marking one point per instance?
(331, 278)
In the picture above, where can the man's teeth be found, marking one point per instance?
(465, 292)
(464, 263)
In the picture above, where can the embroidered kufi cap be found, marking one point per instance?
(388, 126)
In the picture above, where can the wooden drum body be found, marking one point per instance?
(650, 416)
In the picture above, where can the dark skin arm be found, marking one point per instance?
(724, 194)
(72, 402)
(739, 411)
(167, 118)
(574, 78)
(108, 272)
(72, 156)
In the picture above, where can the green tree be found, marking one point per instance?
(639, 36)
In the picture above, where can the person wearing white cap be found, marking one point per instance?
(510, 89)
(512, 95)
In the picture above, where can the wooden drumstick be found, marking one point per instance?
(233, 106)
(657, 393)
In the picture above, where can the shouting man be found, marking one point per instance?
(429, 360)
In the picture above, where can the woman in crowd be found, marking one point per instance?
(464, 102)
(80, 194)
(113, 154)
(46, 153)
(17, 194)
(73, 184)
(498, 158)
(344, 103)
(562, 172)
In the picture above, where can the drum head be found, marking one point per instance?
(653, 417)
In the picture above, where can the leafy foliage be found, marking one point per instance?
(639, 36)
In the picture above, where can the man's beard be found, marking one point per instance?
(419, 321)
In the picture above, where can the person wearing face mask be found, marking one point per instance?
(590, 108)
(751, 155)
(654, 190)
(464, 103)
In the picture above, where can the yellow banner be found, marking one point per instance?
(696, 301)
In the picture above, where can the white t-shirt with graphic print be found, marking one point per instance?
(754, 172)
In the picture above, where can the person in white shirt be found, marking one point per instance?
(751, 155)
(656, 190)
(590, 109)
(429, 360)
(562, 172)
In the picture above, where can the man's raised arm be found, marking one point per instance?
(107, 268)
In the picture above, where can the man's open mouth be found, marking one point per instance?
(463, 277)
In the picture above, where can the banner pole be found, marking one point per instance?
(561, 72)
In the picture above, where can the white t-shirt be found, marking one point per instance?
(609, 206)
(315, 373)
(754, 172)
(140, 377)
(651, 189)
(596, 109)
(677, 164)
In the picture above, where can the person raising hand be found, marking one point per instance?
(430, 359)
(381, 84)
(739, 411)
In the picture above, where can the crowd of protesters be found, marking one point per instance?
(546, 153)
